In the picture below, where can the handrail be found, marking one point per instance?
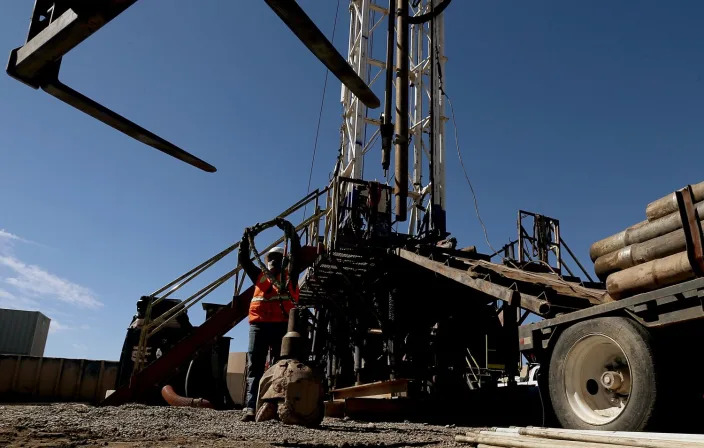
(151, 327)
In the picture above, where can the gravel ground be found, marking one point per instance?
(72, 425)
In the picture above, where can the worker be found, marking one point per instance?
(268, 313)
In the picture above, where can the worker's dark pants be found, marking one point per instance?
(262, 337)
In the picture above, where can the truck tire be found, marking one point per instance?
(602, 376)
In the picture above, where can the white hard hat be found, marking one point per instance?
(276, 250)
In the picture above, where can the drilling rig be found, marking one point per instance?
(390, 305)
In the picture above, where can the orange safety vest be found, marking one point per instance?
(268, 305)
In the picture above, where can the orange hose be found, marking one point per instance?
(175, 399)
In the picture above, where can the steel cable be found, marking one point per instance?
(320, 112)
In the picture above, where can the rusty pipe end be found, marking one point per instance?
(174, 399)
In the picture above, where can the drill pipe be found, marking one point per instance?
(401, 125)
(639, 253)
(638, 233)
(668, 204)
(651, 275)
(387, 126)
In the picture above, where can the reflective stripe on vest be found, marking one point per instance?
(268, 305)
(272, 299)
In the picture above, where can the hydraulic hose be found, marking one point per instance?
(174, 399)
(436, 11)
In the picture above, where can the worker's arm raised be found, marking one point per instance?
(296, 260)
(295, 246)
(245, 260)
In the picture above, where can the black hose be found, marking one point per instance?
(417, 20)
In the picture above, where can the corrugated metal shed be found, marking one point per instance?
(36, 379)
(23, 332)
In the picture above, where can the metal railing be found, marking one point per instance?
(536, 247)
(309, 231)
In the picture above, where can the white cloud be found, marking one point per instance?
(6, 295)
(8, 240)
(56, 326)
(12, 301)
(36, 282)
(4, 234)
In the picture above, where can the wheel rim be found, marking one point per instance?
(591, 366)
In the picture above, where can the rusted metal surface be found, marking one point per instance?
(39, 379)
(668, 204)
(303, 27)
(370, 389)
(401, 124)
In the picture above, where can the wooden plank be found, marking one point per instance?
(371, 389)
(552, 281)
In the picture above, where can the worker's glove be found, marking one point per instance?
(244, 242)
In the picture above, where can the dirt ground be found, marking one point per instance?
(78, 425)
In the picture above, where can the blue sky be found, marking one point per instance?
(584, 111)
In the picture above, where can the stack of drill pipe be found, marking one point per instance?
(549, 438)
(648, 255)
(668, 204)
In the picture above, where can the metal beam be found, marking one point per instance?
(527, 301)
(303, 27)
(116, 121)
(55, 29)
(54, 32)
